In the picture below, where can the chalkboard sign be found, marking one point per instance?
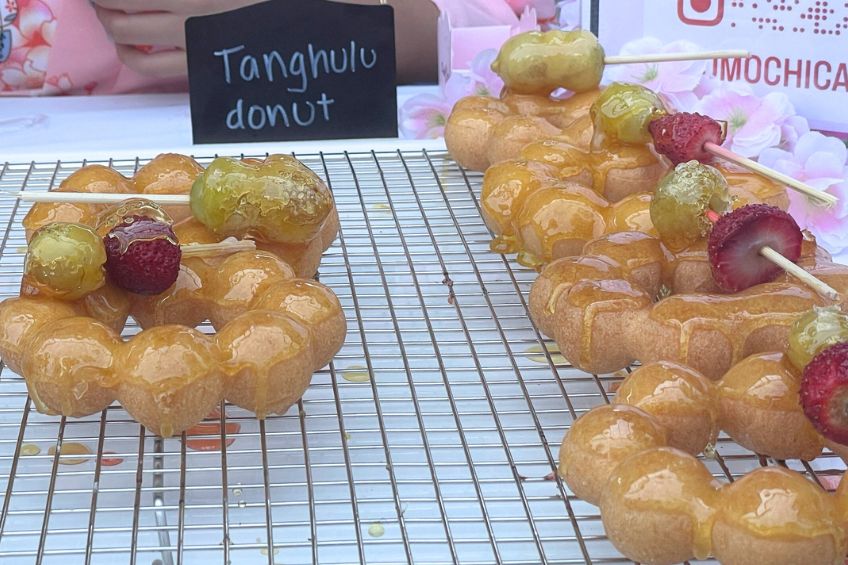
(292, 70)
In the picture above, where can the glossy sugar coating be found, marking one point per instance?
(680, 399)
(64, 261)
(600, 440)
(555, 222)
(813, 332)
(681, 200)
(71, 367)
(168, 173)
(313, 305)
(279, 200)
(759, 408)
(90, 178)
(659, 505)
(622, 112)
(268, 357)
(613, 171)
(774, 515)
(482, 130)
(540, 62)
(114, 216)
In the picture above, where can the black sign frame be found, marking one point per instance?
(287, 70)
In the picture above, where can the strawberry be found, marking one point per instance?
(681, 137)
(142, 255)
(824, 392)
(737, 238)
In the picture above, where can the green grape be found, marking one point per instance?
(114, 215)
(814, 331)
(623, 111)
(682, 198)
(65, 260)
(279, 200)
(537, 62)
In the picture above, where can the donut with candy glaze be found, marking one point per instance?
(274, 326)
(660, 505)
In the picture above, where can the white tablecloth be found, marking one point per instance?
(77, 127)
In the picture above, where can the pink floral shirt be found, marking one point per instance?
(50, 47)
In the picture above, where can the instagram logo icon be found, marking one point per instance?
(700, 12)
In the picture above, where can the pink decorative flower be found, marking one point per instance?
(57, 85)
(27, 74)
(753, 123)
(675, 80)
(424, 116)
(486, 81)
(819, 161)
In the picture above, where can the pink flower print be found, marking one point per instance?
(819, 161)
(753, 123)
(57, 85)
(676, 81)
(26, 75)
(34, 26)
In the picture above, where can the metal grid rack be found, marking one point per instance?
(432, 438)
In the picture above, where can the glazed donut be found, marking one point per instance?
(542, 229)
(659, 504)
(273, 328)
(662, 506)
(606, 321)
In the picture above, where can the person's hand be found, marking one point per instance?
(135, 25)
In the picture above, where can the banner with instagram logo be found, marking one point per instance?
(799, 47)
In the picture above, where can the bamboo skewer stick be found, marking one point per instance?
(726, 154)
(100, 197)
(220, 248)
(819, 286)
(665, 57)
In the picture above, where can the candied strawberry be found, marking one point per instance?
(737, 238)
(142, 255)
(681, 137)
(824, 392)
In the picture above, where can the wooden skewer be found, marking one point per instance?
(793, 269)
(726, 154)
(206, 249)
(819, 286)
(665, 57)
(220, 248)
(100, 197)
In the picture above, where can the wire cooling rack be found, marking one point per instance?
(432, 438)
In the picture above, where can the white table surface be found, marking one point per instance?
(98, 127)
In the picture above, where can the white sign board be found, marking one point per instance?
(799, 47)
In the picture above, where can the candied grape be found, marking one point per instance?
(114, 216)
(65, 261)
(814, 331)
(278, 200)
(623, 111)
(682, 198)
(540, 62)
